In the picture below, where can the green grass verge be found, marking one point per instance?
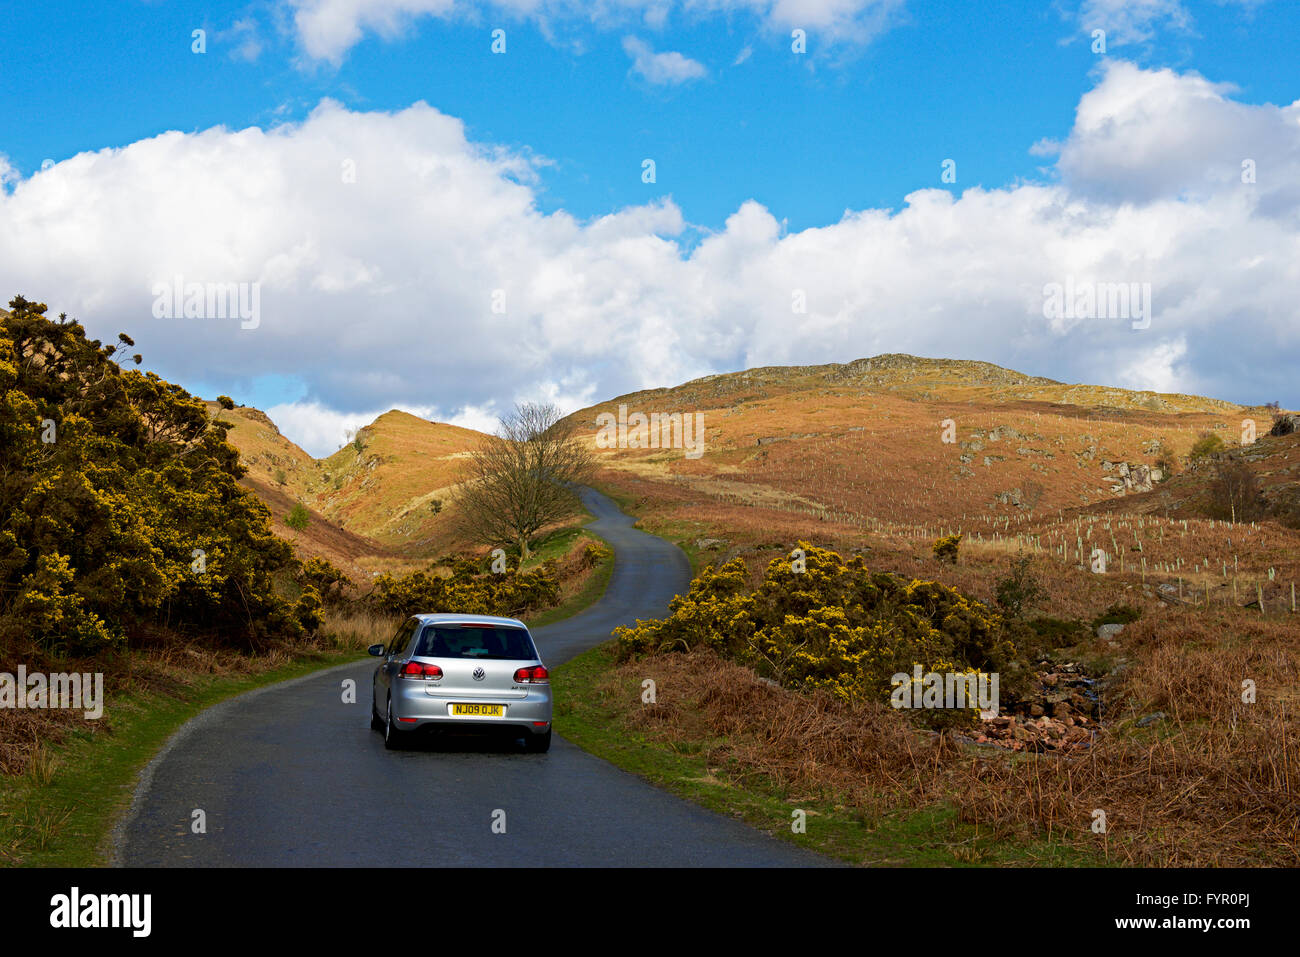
(590, 593)
(555, 545)
(910, 837)
(67, 821)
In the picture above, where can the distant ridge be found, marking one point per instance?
(958, 380)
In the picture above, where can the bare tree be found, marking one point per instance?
(518, 481)
(1234, 494)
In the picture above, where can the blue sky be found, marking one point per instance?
(807, 136)
(885, 93)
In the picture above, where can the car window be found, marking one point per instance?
(403, 637)
(457, 641)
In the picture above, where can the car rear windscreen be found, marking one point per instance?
(456, 641)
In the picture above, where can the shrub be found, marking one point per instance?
(325, 579)
(1117, 615)
(945, 549)
(466, 590)
(298, 518)
(308, 609)
(1056, 632)
(1207, 444)
(1019, 589)
(835, 626)
(55, 616)
(1166, 461)
(103, 523)
(1284, 424)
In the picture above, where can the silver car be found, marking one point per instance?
(461, 673)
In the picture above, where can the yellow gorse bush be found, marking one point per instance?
(835, 626)
(124, 516)
(467, 590)
(945, 549)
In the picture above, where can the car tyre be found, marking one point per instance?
(538, 743)
(393, 738)
(376, 722)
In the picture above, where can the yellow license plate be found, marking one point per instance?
(479, 710)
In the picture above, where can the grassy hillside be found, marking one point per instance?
(386, 489)
(855, 457)
(905, 448)
(370, 507)
(863, 442)
(878, 459)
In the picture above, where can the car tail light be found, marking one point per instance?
(536, 675)
(418, 669)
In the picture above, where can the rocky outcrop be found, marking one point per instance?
(769, 439)
(1132, 476)
(1285, 425)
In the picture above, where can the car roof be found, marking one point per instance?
(449, 619)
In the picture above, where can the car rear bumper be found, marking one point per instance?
(416, 708)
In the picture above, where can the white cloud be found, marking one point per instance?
(1132, 21)
(328, 29)
(322, 430)
(1158, 368)
(1137, 21)
(244, 36)
(380, 293)
(481, 418)
(661, 69)
(1142, 135)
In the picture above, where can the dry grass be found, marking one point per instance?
(352, 629)
(1213, 784)
(162, 669)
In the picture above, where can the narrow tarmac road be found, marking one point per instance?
(288, 775)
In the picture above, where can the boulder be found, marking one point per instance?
(1285, 425)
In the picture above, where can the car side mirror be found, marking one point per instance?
(376, 650)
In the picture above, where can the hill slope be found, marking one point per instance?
(386, 489)
(366, 505)
(868, 438)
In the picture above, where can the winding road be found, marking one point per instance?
(289, 775)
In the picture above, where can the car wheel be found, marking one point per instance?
(376, 722)
(538, 743)
(393, 739)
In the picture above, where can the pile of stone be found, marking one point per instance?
(1062, 715)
